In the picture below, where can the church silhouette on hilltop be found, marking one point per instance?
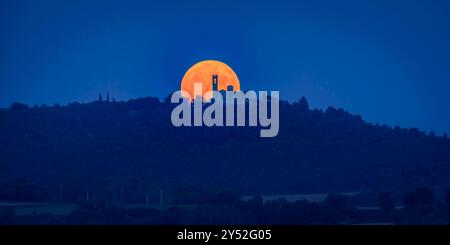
(215, 87)
(215, 84)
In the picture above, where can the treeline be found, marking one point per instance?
(121, 150)
(417, 207)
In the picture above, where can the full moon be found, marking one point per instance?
(203, 72)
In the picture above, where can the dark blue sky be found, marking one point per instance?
(386, 60)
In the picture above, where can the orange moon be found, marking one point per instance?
(203, 71)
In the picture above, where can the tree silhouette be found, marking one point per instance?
(18, 106)
(302, 104)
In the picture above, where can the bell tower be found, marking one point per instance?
(215, 82)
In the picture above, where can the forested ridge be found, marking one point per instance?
(106, 146)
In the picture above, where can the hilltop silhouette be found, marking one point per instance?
(103, 146)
